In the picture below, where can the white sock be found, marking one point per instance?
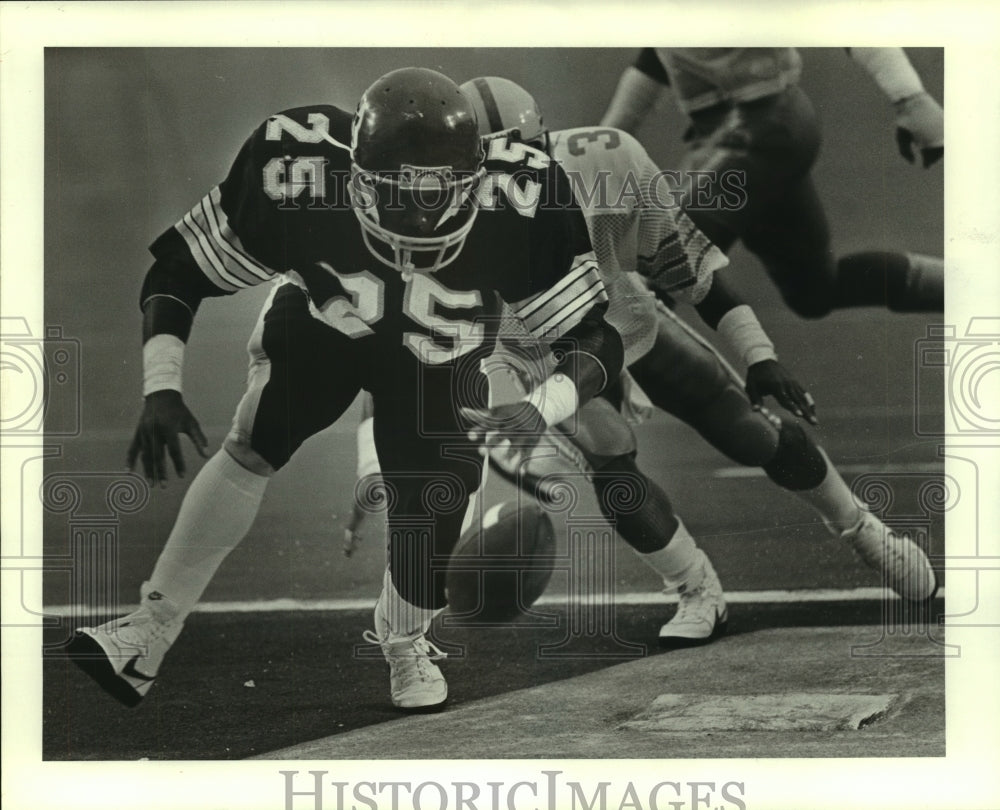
(833, 500)
(217, 512)
(680, 562)
(403, 618)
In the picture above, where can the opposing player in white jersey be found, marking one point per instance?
(638, 231)
(748, 115)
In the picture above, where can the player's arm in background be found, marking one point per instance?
(919, 117)
(639, 88)
(201, 255)
(679, 263)
(723, 310)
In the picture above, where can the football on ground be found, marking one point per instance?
(499, 568)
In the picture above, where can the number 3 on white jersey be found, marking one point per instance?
(425, 297)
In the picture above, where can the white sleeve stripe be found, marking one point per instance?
(222, 260)
(569, 316)
(216, 248)
(230, 241)
(223, 250)
(583, 282)
(581, 266)
(202, 218)
(216, 275)
(583, 290)
(211, 253)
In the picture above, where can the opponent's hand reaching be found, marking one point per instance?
(512, 429)
(920, 121)
(770, 378)
(164, 418)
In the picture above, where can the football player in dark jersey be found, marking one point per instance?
(749, 114)
(399, 244)
(637, 234)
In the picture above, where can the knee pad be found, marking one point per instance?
(620, 486)
(797, 464)
(638, 508)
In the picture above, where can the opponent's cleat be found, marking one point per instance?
(124, 655)
(701, 613)
(901, 562)
(415, 682)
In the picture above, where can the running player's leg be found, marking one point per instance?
(792, 240)
(293, 391)
(641, 512)
(431, 472)
(741, 158)
(771, 145)
(686, 379)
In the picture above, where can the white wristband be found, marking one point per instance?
(556, 399)
(891, 70)
(162, 362)
(742, 332)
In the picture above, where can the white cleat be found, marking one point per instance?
(124, 655)
(415, 682)
(901, 562)
(701, 613)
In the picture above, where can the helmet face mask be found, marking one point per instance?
(415, 220)
(416, 164)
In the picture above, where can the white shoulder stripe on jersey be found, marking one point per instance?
(547, 304)
(228, 239)
(577, 269)
(202, 253)
(568, 317)
(565, 310)
(202, 219)
(216, 248)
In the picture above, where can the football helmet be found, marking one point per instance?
(504, 107)
(416, 160)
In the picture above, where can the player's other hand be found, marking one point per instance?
(770, 378)
(512, 428)
(920, 122)
(164, 418)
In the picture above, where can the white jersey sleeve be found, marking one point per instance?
(636, 227)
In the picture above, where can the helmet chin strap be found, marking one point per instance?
(330, 139)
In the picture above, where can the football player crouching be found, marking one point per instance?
(395, 288)
(636, 236)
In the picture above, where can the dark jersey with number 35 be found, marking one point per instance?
(284, 208)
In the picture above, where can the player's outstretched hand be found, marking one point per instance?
(164, 418)
(920, 121)
(770, 378)
(514, 428)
